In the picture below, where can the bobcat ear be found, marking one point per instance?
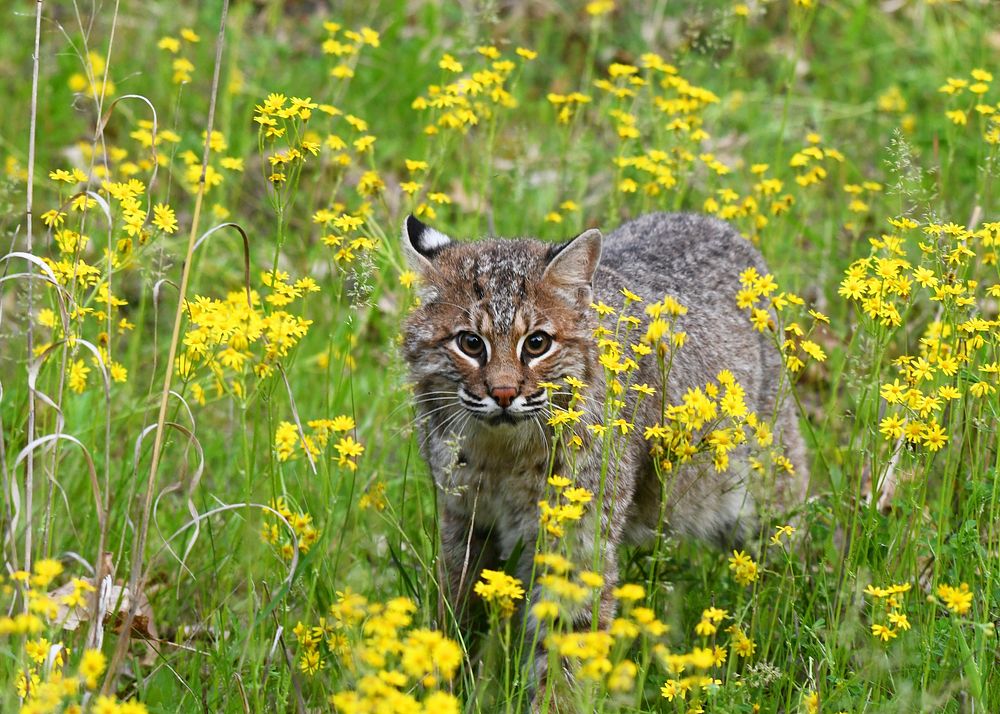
(573, 264)
(421, 243)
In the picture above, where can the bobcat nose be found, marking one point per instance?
(503, 395)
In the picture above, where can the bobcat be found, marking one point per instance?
(497, 317)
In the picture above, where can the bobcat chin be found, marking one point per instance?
(498, 318)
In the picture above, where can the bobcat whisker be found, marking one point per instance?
(423, 416)
(541, 430)
(422, 399)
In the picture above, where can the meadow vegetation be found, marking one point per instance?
(213, 498)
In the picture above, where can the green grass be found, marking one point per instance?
(225, 603)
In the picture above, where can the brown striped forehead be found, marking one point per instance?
(500, 277)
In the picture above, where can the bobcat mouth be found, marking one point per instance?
(523, 408)
(505, 418)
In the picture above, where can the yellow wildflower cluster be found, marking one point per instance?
(702, 659)
(560, 593)
(214, 174)
(567, 506)
(500, 589)
(275, 533)
(889, 619)
(676, 105)
(568, 104)
(394, 666)
(474, 95)
(884, 287)
(469, 97)
(91, 81)
(715, 420)
(751, 211)
(281, 118)
(566, 414)
(180, 64)
(968, 98)
(957, 599)
(287, 439)
(46, 682)
(809, 161)
(94, 304)
(222, 334)
(882, 283)
(343, 232)
(744, 568)
(596, 657)
(564, 208)
(861, 195)
(620, 363)
(795, 345)
(345, 47)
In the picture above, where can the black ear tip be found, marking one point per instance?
(414, 228)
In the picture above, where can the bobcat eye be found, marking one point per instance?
(537, 344)
(471, 344)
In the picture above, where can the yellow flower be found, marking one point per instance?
(37, 650)
(743, 567)
(743, 646)
(170, 44)
(705, 628)
(559, 481)
(310, 662)
(760, 319)
(450, 64)
(602, 309)
(364, 143)
(164, 218)
(348, 449)
(78, 372)
(545, 610)
(629, 592)
(882, 632)
(899, 620)
(53, 218)
(957, 116)
(496, 586)
(958, 600)
(92, 666)
(813, 350)
(599, 7)
(577, 495)
(286, 438)
(934, 436)
(671, 689)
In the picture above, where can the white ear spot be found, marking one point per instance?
(421, 243)
(432, 239)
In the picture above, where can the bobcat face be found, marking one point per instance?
(497, 318)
